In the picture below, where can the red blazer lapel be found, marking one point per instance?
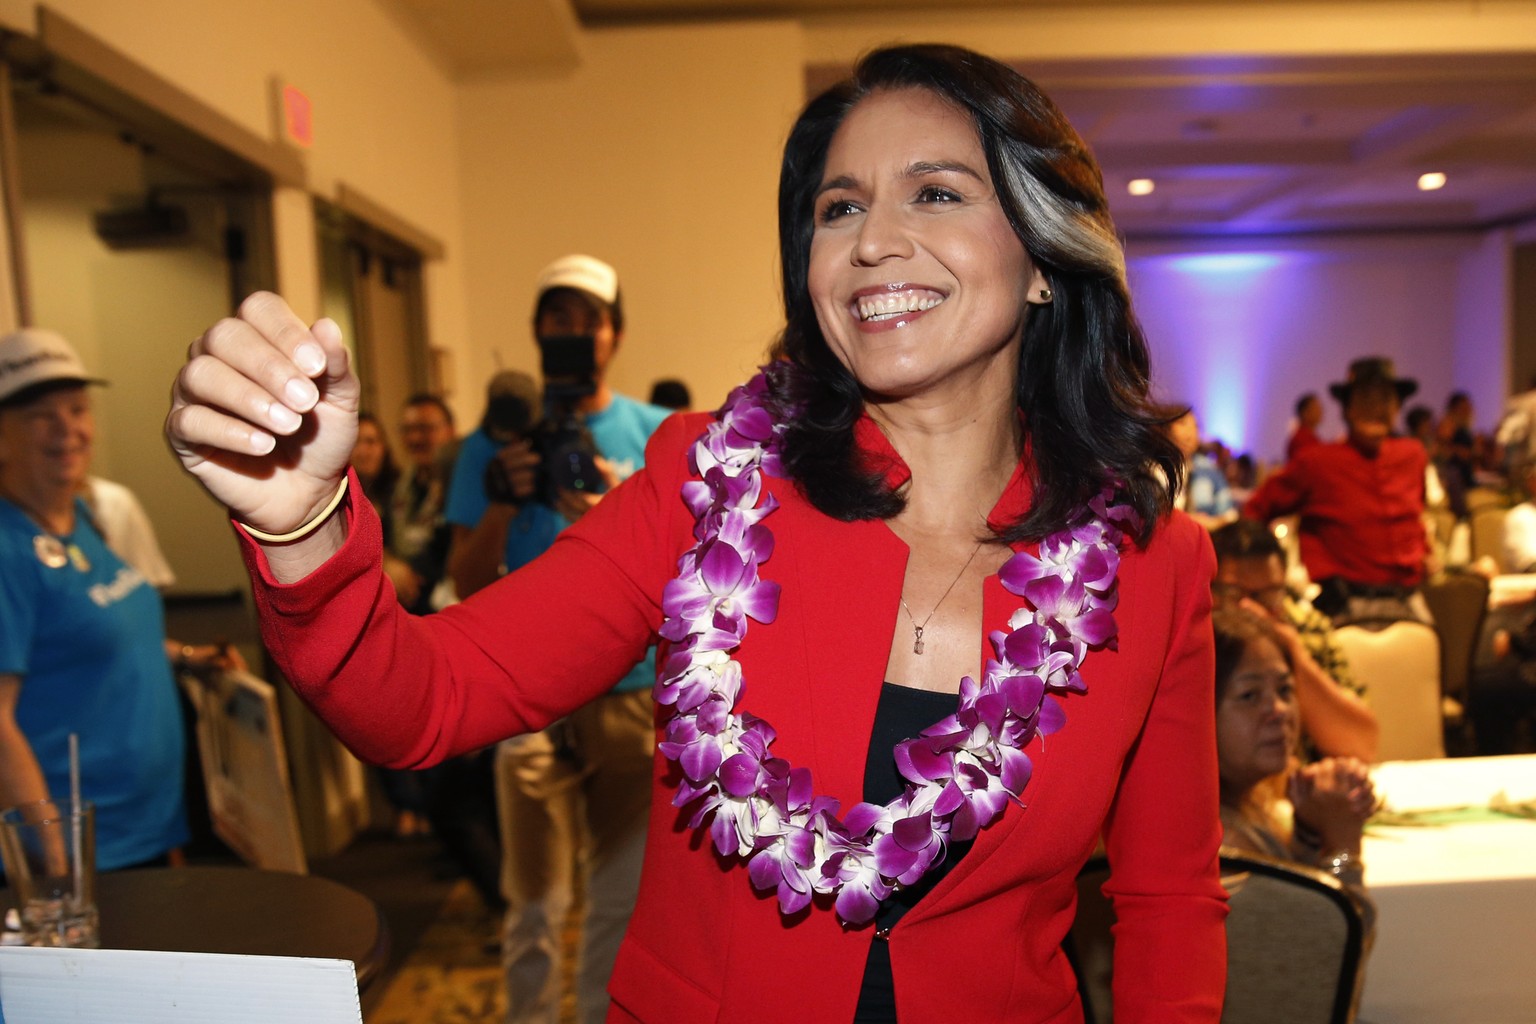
(841, 585)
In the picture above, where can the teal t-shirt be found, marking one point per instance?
(87, 639)
(620, 433)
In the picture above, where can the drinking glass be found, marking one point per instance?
(49, 851)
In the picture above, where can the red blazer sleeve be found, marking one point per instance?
(1163, 830)
(408, 692)
(1282, 492)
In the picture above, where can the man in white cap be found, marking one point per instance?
(82, 646)
(575, 798)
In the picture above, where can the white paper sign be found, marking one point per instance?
(125, 986)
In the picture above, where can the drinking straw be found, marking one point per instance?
(74, 768)
(77, 815)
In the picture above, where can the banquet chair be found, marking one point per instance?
(1295, 941)
(1488, 534)
(1400, 667)
(1442, 524)
(1485, 497)
(1459, 603)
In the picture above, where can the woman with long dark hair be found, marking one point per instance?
(928, 627)
(1257, 738)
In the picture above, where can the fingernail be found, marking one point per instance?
(301, 393)
(309, 357)
(262, 442)
(284, 418)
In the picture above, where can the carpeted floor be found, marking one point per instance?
(444, 965)
(444, 962)
(452, 976)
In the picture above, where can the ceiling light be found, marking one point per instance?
(1144, 186)
(1431, 181)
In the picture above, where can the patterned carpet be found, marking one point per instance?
(453, 976)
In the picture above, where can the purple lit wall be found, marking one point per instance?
(1240, 331)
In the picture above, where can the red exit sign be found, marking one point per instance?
(297, 115)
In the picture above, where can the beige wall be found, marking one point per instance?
(385, 125)
(660, 154)
(384, 113)
(130, 315)
(1241, 327)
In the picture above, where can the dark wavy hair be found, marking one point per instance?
(1234, 629)
(1246, 538)
(1083, 365)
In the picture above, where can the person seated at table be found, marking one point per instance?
(1256, 734)
(1519, 534)
(1501, 693)
(1250, 573)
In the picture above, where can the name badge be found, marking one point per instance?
(77, 556)
(50, 551)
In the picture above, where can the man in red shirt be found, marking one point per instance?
(1360, 502)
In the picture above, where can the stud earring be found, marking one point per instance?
(1045, 294)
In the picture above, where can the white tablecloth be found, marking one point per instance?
(1511, 588)
(1456, 929)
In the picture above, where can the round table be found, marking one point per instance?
(208, 909)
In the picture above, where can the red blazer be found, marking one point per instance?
(1136, 760)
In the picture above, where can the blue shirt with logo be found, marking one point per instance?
(620, 433)
(87, 639)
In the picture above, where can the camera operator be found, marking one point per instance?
(574, 798)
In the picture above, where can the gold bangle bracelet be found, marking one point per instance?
(303, 531)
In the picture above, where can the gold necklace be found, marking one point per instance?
(918, 627)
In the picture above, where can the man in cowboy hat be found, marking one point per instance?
(1361, 503)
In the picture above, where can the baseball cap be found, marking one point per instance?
(33, 356)
(584, 273)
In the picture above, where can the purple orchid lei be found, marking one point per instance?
(961, 772)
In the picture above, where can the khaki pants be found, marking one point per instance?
(573, 802)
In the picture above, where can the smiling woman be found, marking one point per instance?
(982, 177)
(914, 544)
(1257, 727)
(82, 635)
(918, 280)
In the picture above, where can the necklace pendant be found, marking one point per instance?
(917, 639)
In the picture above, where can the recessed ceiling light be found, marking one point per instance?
(1140, 186)
(1431, 181)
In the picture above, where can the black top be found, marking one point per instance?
(902, 713)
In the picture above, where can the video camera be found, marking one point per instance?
(554, 423)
